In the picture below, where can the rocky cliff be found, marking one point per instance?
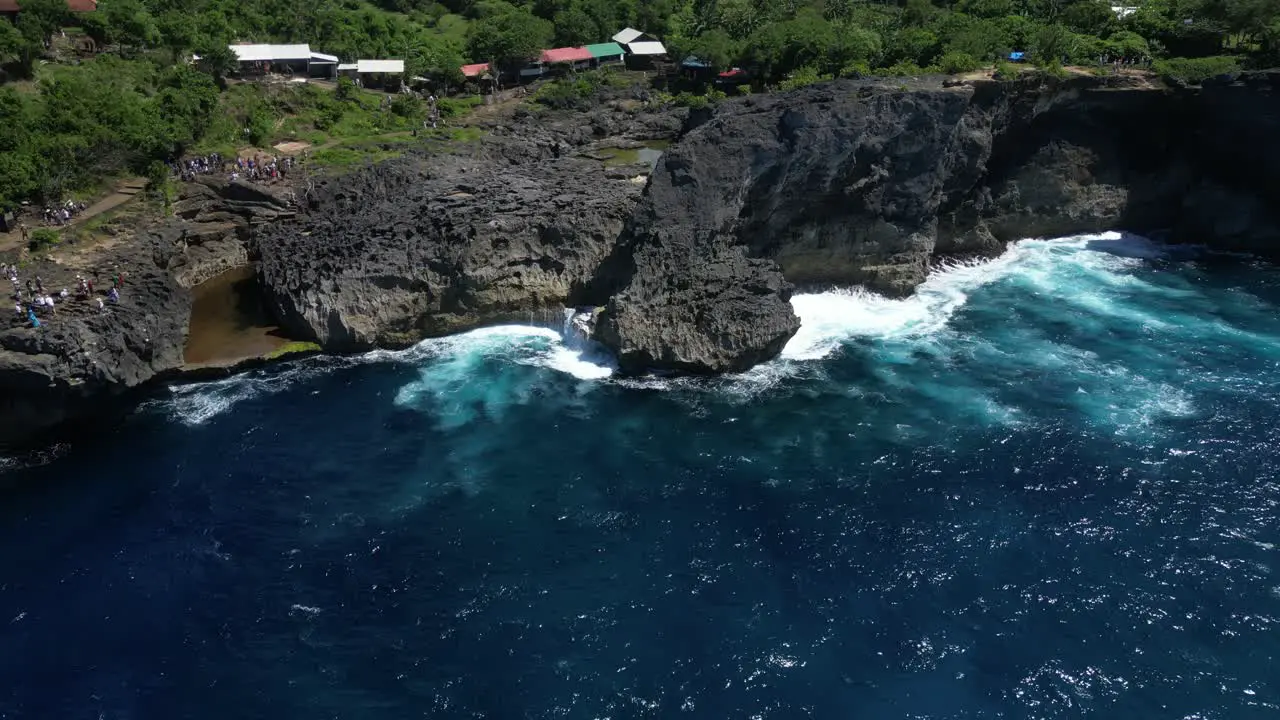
(845, 183)
(427, 245)
(82, 360)
(83, 363)
(869, 183)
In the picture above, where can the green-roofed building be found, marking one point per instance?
(605, 53)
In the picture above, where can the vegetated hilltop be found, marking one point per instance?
(120, 96)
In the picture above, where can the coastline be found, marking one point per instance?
(465, 236)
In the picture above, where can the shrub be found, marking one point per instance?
(903, 69)
(43, 239)
(689, 100)
(346, 89)
(1004, 71)
(1053, 69)
(259, 125)
(954, 63)
(577, 92)
(856, 69)
(1193, 71)
(453, 107)
(328, 115)
(800, 78)
(407, 106)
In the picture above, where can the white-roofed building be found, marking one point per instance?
(642, 49)
(648, 47)
(627, 35)
(374, 73)
(264, 58)
(389, 67)
(323, 66)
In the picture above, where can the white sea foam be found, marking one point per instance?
(1071, 272)
(829, 319)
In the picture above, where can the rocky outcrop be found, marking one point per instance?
(427, 245)
(866, 183)
(83, 363)
(82, 360)
(1233, 201)
(220, 217)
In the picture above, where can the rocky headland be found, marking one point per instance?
(692, 266)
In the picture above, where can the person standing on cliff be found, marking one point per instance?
(22, 228)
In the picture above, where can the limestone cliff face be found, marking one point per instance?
(81, 359)
(82, 362)
(1233, 201)
(431, 245)
(844, 183)
(865, 183)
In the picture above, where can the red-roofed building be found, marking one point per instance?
(475, 71)
(572, 55)
(11, 7)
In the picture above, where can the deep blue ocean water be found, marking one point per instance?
(1044, 487)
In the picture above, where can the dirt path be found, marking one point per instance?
(125, 191)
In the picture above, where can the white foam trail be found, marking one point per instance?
(451, 359)
(829, 319)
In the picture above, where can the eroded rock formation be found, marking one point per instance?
(845, 183)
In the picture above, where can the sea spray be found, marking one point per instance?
(1082, 272)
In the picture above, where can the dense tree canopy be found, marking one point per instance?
(139, 101)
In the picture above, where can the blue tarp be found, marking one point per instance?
(694, 62)
(1016, 56)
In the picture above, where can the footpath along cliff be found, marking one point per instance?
(864, 183)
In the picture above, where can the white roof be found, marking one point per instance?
(321, 57)
(347, 66)
(379, 66)
(646, 48)
(627, 35)
(269, 53)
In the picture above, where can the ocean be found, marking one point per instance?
(1045, 486)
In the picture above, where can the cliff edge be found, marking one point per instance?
(858, 183)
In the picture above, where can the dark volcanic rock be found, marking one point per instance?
(80, 360)
(424, 246)
(865, 183)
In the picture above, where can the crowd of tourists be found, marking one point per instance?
(260, 168)
(59, 215)
(188, 169)
(32, 299)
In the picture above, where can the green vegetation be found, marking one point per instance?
(579, 91)
(292, 348)
(71, 118)
(1194, 71)
(43, 239)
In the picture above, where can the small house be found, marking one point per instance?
(626, 36)
(695, 68)
(643, 51)
(610, 53)
(477, 71)
(385, 74)
(259, 59)
(323, 66)
(567, 58)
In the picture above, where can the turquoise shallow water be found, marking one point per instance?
(1044, 487)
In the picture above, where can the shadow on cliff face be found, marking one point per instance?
(867, 184)
(230, 321)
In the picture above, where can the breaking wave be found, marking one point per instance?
(1069, 307)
